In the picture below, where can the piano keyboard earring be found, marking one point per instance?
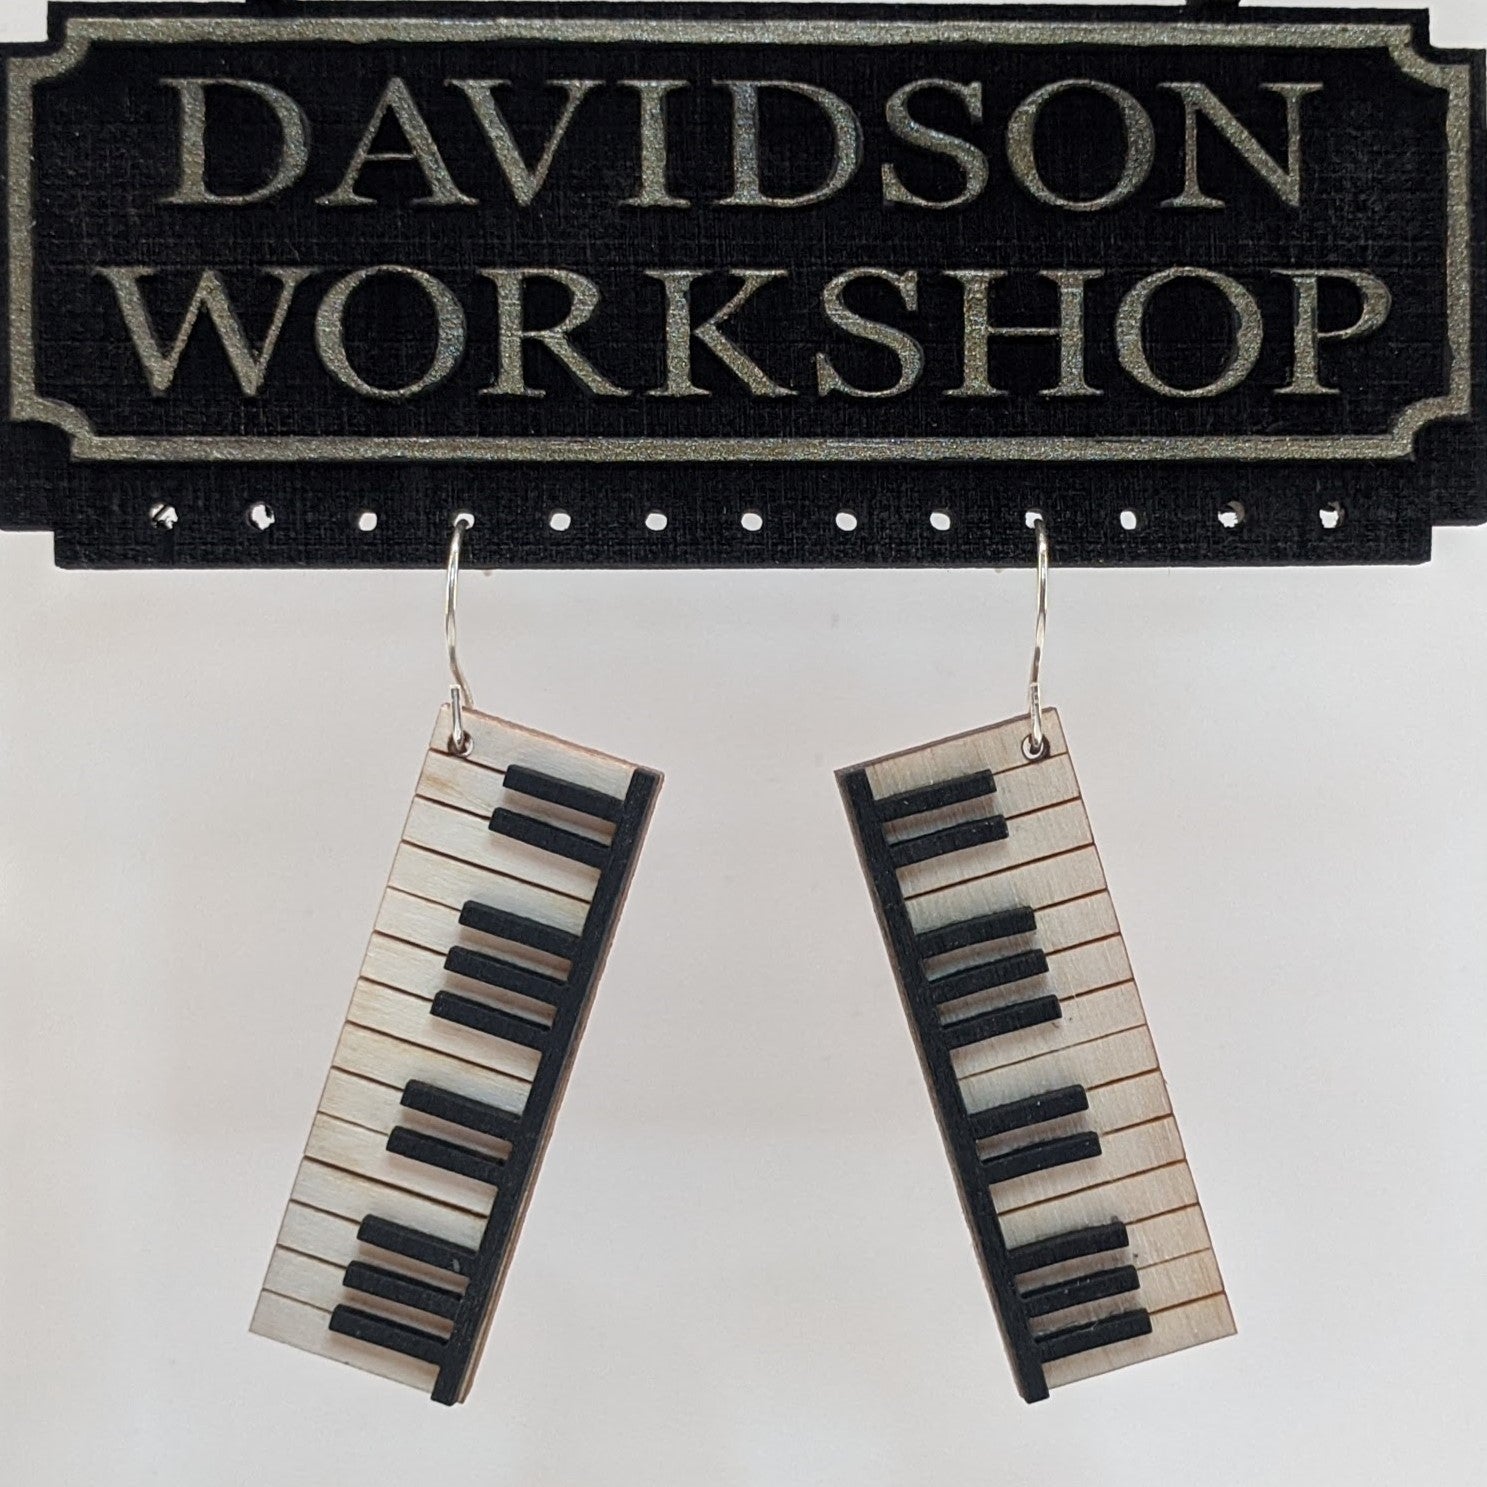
(504, 895)
(991, 897)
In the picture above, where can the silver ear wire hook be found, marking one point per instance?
(1035, 745)
(460, 696)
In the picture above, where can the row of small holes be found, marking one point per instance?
(1231, 515)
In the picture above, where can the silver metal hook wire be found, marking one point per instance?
(460, 696)
(1035, 745)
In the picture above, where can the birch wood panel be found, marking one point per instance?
(1051, 1101)
(444, 1082)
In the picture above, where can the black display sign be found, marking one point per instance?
(725, 286)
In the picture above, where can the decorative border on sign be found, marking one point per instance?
(28, 404)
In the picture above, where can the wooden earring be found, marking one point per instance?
(504, 895)
(1013, 970)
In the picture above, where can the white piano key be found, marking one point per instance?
(1060, 829)
(1080, 921)
(362, 1102)
(1033, 787)
(497, 744)
(377, 1107)
(1168, 1236)
(319, 1284)
(1073, 973)
(352, 1196)
(437, 927)
(1123, 1153)
(313, 1231)
(471, 787)
(409, 968)
(393, 1062)
(1120, 1056)
(421, 973)
(1089, 967)
(448, 858)
(1035, 885)
(306, 1327)
(453, 883)
(354, 1149)
(441, 828)
(327, 1237)
(1085, 1018)
(1128, 1201)
(1203, 1320)
(1174, 1283)
(403, 1016)
(1128, 1102)
(1111, 1107)
(998, 749)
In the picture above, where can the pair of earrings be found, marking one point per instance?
(504, 895)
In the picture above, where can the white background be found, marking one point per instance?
(745, 1265)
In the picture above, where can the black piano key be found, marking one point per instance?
(1044, 1301)
(494, 971)
(952, 839)
(461, 1110)
(547, 838)
(1072, 1340)
(1041, 1156)
(537, 786)
(1099, 1239)
(1033, 1111)
(414, 1244)
(936, 797)
(1002, 1020)
(388, 1285)
(490, 1020)
(1007, 971)
(449, 1156)
(979, 931)
(520, 930)
(412, 1342)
